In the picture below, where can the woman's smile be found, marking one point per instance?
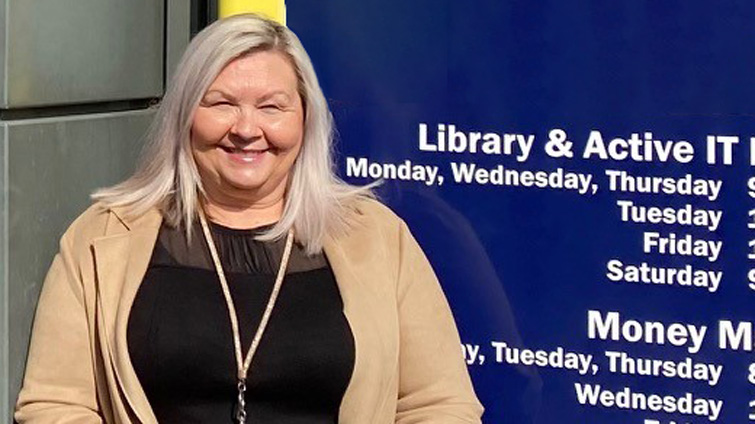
(244, 156)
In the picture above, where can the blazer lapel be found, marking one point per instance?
(367, 307)
(122, 258)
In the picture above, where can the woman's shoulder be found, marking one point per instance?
(370, 212)
(92, 221)
(372, 225)
(89, 225)
(100, 220)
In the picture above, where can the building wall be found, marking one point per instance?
(78, 84)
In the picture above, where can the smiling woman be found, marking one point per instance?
(234, 276)
(246, 134)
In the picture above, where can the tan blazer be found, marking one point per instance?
(408, 365)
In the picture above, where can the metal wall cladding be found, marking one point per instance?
(81, 51)
(52, 166)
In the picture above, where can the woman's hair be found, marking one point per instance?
(167, 176)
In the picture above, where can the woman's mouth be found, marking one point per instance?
(242, 155)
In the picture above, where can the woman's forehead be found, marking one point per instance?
(263, 71)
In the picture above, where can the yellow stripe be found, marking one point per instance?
(273, 9)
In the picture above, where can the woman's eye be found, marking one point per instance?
(270, 107)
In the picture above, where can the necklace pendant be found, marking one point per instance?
(241, 402)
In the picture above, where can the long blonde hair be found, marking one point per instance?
(167, 176)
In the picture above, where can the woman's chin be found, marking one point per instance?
(250, 187)
(246, 179)
(247, 188)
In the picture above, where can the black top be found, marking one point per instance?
(180, 338)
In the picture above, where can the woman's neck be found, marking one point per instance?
(241, 215)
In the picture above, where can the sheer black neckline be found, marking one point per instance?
(254, 231)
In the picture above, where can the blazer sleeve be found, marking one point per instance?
(59, 384)
(434, 385)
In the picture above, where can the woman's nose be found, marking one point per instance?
(247, 126)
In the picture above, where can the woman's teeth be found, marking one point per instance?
(237, 150)
(247, 155)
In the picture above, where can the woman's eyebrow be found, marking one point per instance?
(276, 93)
(218, 92)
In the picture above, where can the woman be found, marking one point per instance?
(235, 277)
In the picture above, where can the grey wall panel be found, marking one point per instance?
(53, 165)
(3, 74)
(4, 345)
(178, 32)
(75, 51)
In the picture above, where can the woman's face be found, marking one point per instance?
(248, 128)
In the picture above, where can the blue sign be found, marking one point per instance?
(580, 176)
